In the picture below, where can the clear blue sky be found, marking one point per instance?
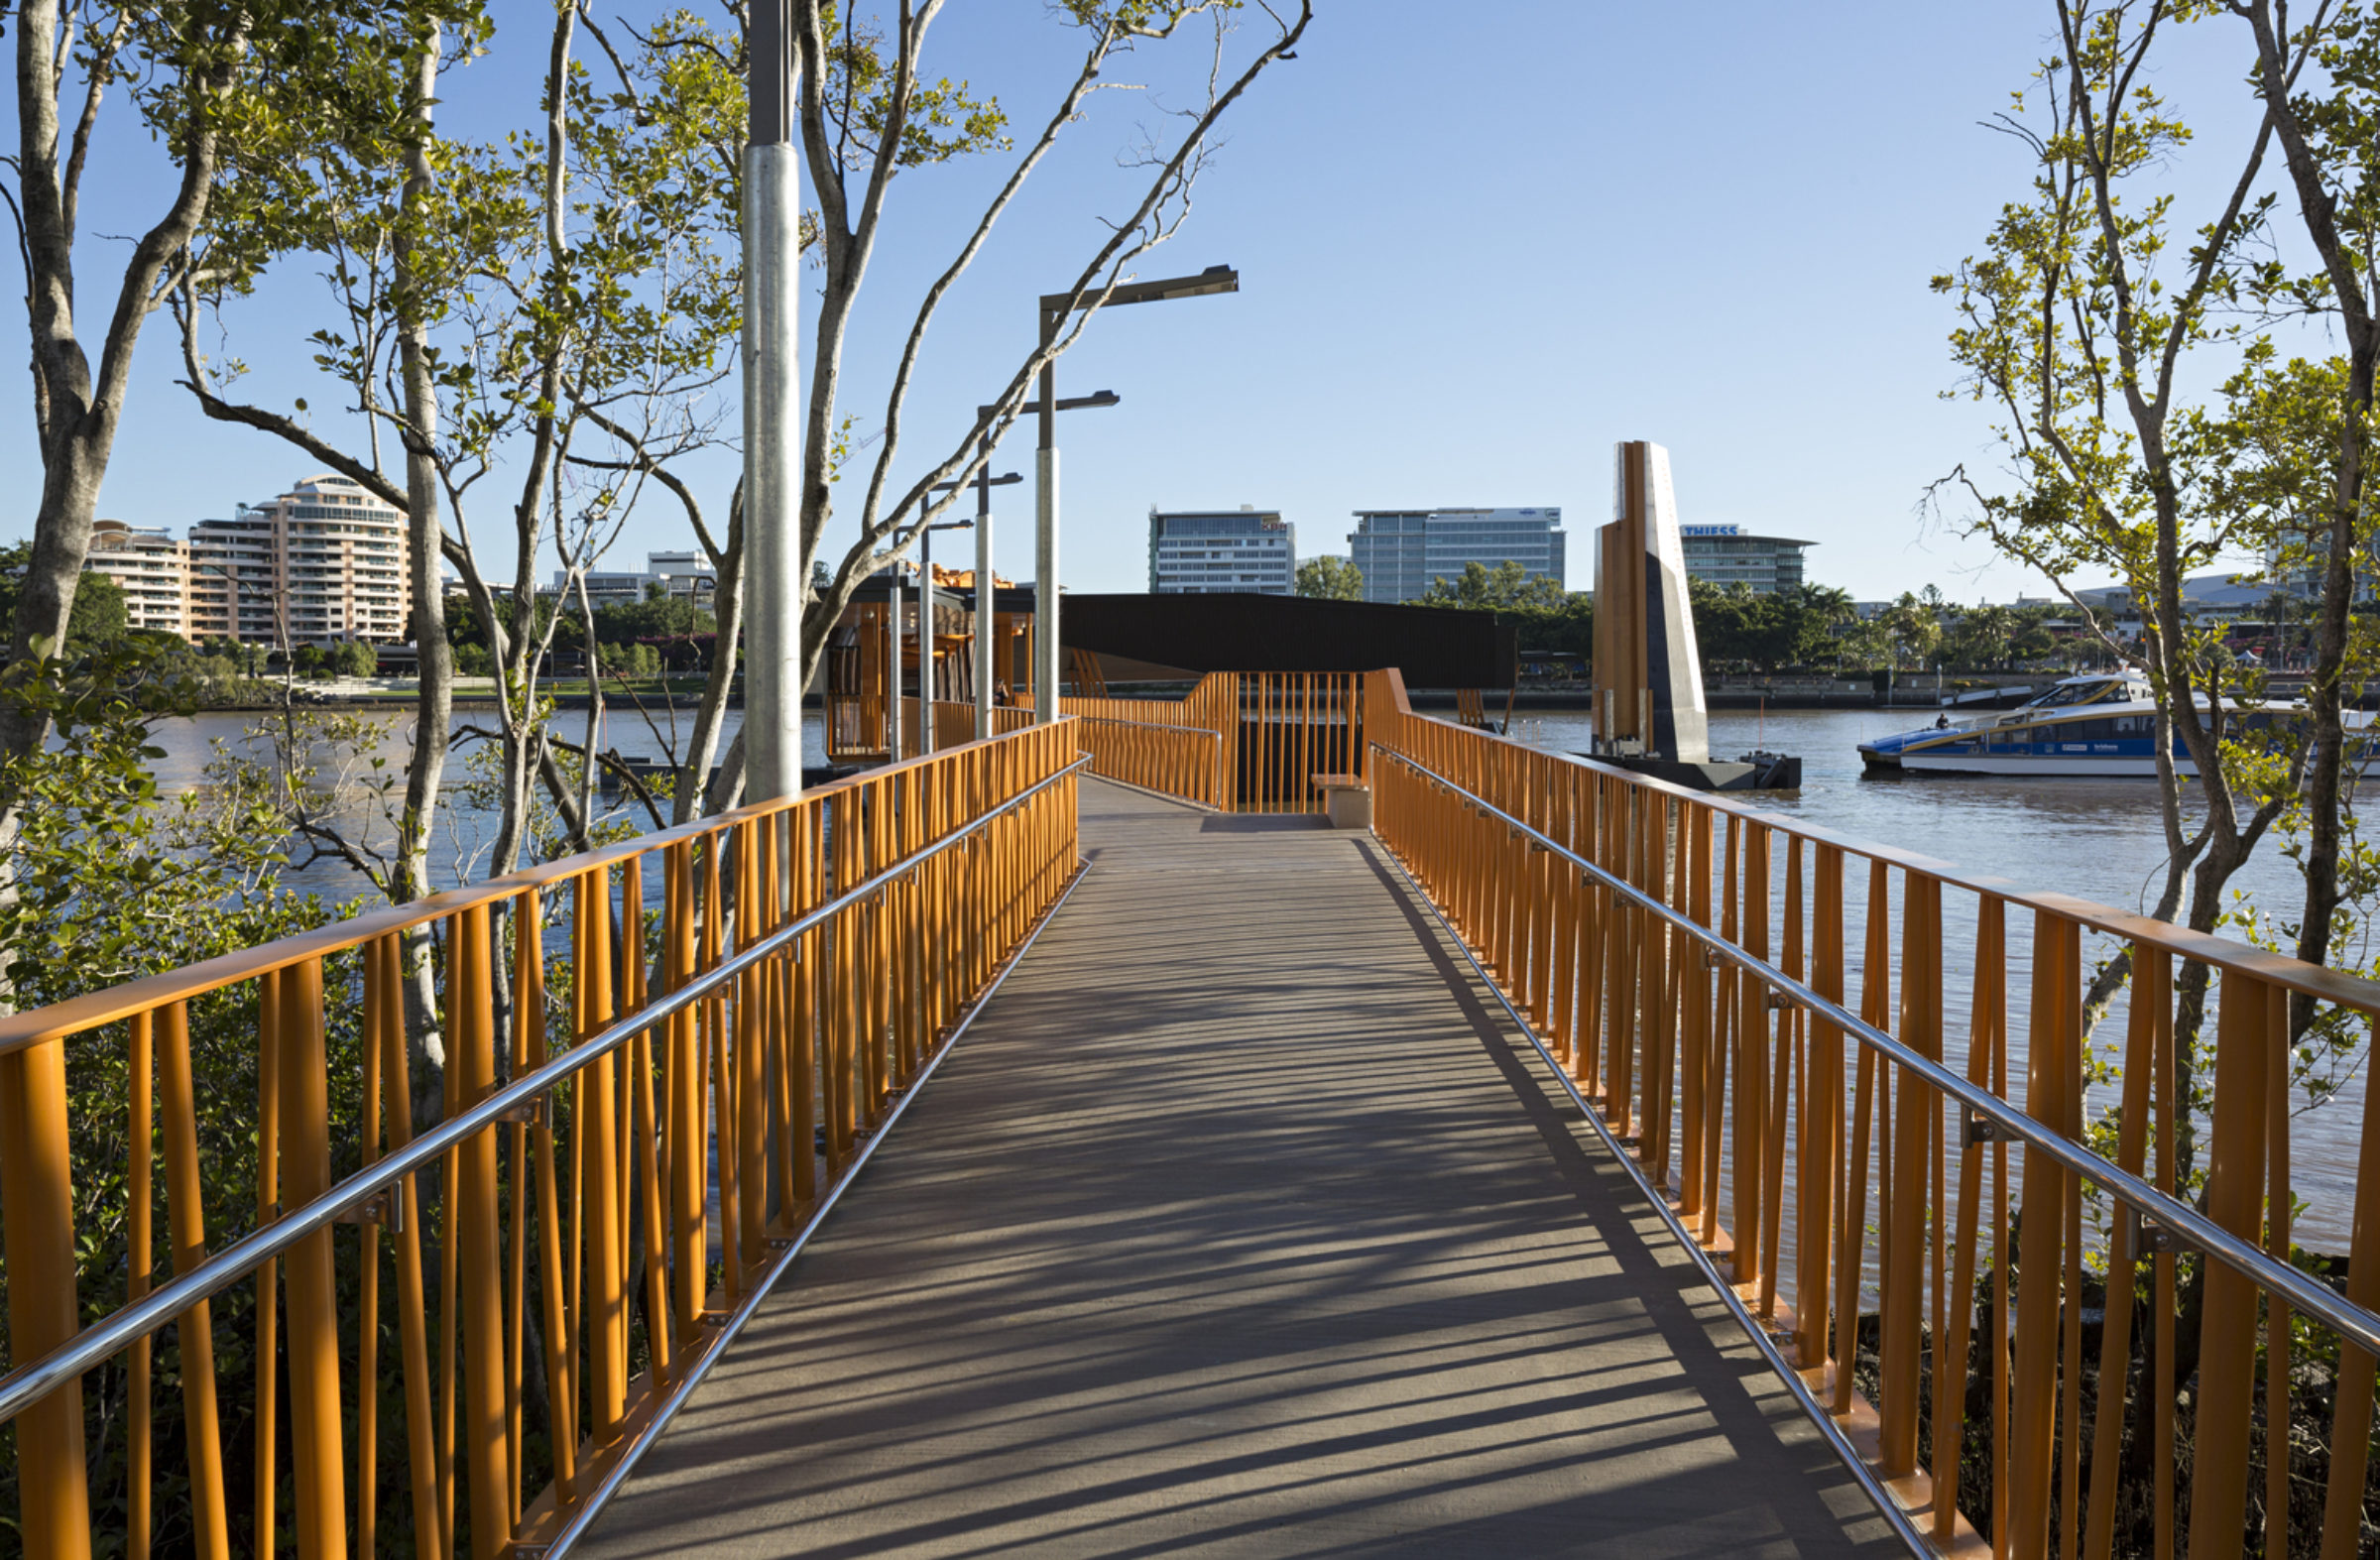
(1478, 245)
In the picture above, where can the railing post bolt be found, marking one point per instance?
(383, 1208)
(2142, 1236)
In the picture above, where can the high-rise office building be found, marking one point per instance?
(1401, 551)
(688, 576)
(1207, 551)
(1730, 555)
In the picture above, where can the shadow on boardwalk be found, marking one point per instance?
(1241, 1224)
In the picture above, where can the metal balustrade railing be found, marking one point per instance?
(1238, 741)
(2025, 1335)
(1175, 761)
(477, 1324)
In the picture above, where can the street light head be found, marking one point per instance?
(1215, 279)
(1103, 398)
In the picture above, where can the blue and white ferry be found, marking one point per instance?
(2102, 724)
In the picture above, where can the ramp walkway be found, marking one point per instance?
(1243, 1222)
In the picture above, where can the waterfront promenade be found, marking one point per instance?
(1243, 1222)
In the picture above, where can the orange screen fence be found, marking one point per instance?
(2049, 1294)
(454, 1317)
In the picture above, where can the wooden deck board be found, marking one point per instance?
(1241, 1223)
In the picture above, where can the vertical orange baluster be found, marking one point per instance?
(185, 1218)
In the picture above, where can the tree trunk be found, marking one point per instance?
(425, 769)
(727, 608)
(2346, 269)
(78, 413)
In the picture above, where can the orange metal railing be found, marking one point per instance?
(1178, 761)
(1936, 1254)
(662, 1061)
(1240, 742)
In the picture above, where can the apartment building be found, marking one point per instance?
(1208, 551)
(1403, 551)
(150, 568)
(322, 563)
(233, 581)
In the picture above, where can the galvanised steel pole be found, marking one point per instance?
(986, 599)
(1046, 537)
(925, 640)
(771, 414)
(1056, 307)
(892, 663)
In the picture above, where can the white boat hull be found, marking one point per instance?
(2074, 765)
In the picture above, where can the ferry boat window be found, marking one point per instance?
(2079, 694)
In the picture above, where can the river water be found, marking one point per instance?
(2098, 839)
(2095, 839)
(191, 743)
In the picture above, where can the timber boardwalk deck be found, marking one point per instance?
(1242, 1223)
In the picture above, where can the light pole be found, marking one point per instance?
(1055, 307)
(771, 411)
(892, 662)
(983, 483)
(925, 626)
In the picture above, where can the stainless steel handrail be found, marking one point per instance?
(36, 1379)
(1147, 725)
(2301, 1291)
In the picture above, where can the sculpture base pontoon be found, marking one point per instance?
(1649, 716)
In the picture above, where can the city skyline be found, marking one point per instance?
(1779, 338)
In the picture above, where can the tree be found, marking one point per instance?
(1978, 638)
(1813, 616)
(197, 70)
(850, 163)
(2033, 643)
(1546, 617)
(1739, 628)
(1569, 625)
(2076, 324)
(1913, 629)
(1330, 580)
(1506, 588)
(654, 618)
(97, 620)
(2330, 143)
